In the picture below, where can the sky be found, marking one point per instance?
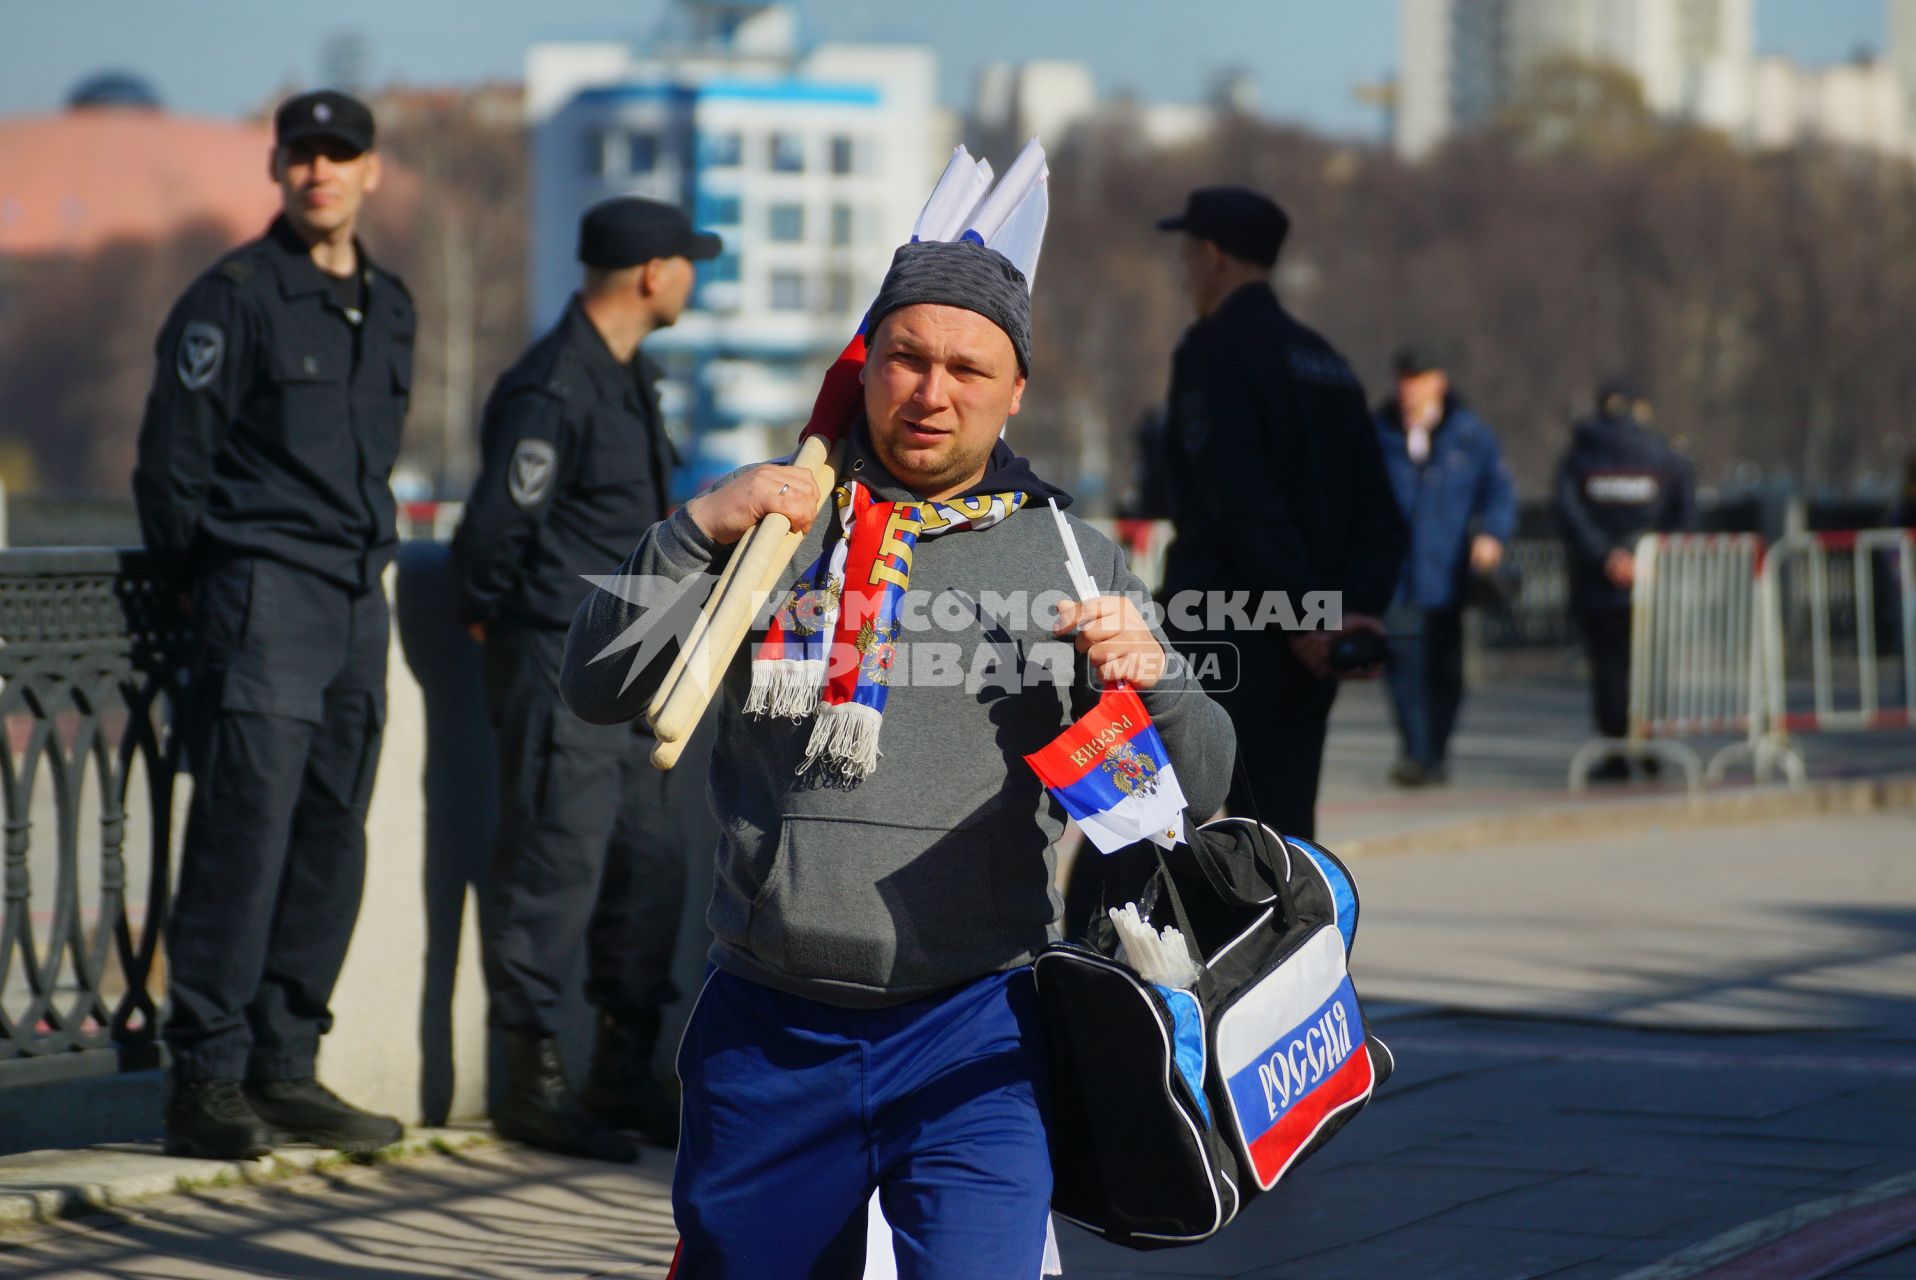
(223, 57)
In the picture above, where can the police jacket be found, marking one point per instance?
(1619, 481)
(275, 413)
(1463, 479)
(576, 467)
(1273, 469)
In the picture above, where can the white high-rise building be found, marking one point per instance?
(1042, 98)
(810, 164)
(1901, 52)
(1463, 59)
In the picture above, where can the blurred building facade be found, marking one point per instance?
(1462, 60)
(1048, 98)
(1775, 102)
(115, 166)
(811, 164)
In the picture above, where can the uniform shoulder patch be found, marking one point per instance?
(530, 473)
(236, 270)
(201, 352)
(1193, 421)
(1319, 364)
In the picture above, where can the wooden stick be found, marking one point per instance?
(758, 568)
(699, 627)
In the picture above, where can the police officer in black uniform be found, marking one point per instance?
(1618, 481)
(270, 431)
(576, 467)
(1276, 485)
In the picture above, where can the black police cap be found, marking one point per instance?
(1415, 359)
(1244, 223)
(324, 113)
(1622, 386)
(628, 230)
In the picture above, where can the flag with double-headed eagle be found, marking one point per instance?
(1112, 775)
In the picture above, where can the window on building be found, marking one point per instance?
(788, 153)
(720, 270)
(846, 154)
(594, 153)
(787, 223)
(721, 150)
(842, 225)
(641, 152)
(788, 291)
(838, 292)
(719, 211)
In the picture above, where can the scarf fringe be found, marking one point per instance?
(844, 741)
(787, 688)
(844, 738)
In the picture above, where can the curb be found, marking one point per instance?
(1626, 818)
(39, 1187)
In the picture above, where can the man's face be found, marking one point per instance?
(1421, 395)
(1198, 261)
(669, 284)
(323, 182)
(939, 383)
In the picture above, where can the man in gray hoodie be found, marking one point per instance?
(870, 1021)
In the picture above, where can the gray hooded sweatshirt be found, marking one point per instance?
(937, 868)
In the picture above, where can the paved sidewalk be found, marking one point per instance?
(1607, 934)
(1510, 759)
(1588, 1130)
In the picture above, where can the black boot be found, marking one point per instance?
(620, 1088)
(305, 1110)
(211, 1119)
(539, 1110)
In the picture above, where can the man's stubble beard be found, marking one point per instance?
(961, 469)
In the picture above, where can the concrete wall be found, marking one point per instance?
(386, 1035)
(410, 1037)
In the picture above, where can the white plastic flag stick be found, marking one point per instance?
(1086, 588)
(1081, 580)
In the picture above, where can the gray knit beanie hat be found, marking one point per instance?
(959, 273)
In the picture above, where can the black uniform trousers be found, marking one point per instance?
(283, 721)
(1426, 678)
(1606, 641)
(587, 849)
(1281, 715)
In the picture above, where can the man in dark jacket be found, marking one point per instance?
(1449, 475)
(269, 435)
(1276, 486)
(576, 468)
(1618, 481)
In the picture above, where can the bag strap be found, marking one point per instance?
(1275, 861)
(1206, 984)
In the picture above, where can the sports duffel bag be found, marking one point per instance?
(1173, 1108)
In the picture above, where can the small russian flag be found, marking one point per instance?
(1111, 773)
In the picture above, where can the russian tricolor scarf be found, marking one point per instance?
(831, 646)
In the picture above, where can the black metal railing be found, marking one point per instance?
(91, 651)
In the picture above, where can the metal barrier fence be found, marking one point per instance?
(1695, 656)
(90, 650)
(1846, 603)
(1816, 634)
(1539, 614)
(434, 520)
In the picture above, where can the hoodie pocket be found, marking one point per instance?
(891, 906)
